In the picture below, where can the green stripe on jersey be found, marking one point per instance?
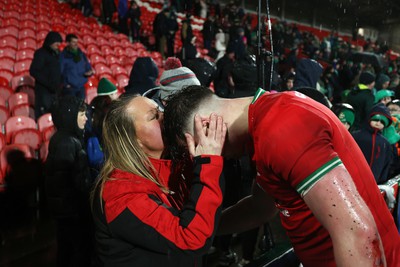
(310, 181)
(259, 93)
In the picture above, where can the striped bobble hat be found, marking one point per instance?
(175, 77)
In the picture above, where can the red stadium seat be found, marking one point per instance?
(27, 16)
(5, 92)
(12, 14)
(113, 42)
(9, 31)
(26, 33)
(7, 63)
(6, 74)
(24, 54)
(92, 82)
(112, 60)
(90, 95)
(27, 24)
(4, 115)
(44, 151)
(102, 69)
(8, 52)
(97, 58)
(122, 80)
(106, 50)
(22, 67)
(42, 26)
(2, 141)
(102, 41)
(27, 43)
(45, 121)
(131, 52)
(16, 123)
(23, 110)
(87, 40)
(119, 51)
(118, 69)
(3, 102)
(9, 21)
(30, 137)
(48, 132)
(19, 81)
(93, 49)
(17, 99)
(9, 41)
(4, 82)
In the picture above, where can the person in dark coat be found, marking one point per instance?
(362, 98)
(136, 23)
(68, 183)
(46, 70)
(375, 147)
(223, 81)
(143, 76)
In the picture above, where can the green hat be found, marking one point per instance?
(106, 87)
(346, 115)
(383, 93)
(391, 135)
(380, 117)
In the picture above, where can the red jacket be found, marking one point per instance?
(137, 225)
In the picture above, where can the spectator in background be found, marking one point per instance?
(362, 99)
(288, 81)
(186, 31)
(160, 30)
(384, 96)
(382, 82)
(108, 8)
(68, 183)
(208, 32)
(345, 113)
(172, 28)
(223, 81)
(75, 68)
(134, 15)
(174, 78)
(106, 88)
(376, 148)
(45, 68)
(143, 76)
(123, 14)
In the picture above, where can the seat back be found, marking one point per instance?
(48, 132)
(45, 121)
(5, 92)
(17, 99)
(16, 123)
(30, 137)
(23, 110)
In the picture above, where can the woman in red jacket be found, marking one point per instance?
(139, 220)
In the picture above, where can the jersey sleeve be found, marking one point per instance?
(150, 223)
(298, 149)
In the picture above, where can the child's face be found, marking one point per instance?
(377, 124)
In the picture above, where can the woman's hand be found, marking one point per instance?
(207, 139)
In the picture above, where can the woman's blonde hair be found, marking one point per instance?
(121, 148)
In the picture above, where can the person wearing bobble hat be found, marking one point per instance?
(174, 78)
(376, 148)
(107, 88)
(362, 98)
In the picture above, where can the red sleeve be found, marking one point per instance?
(150, 223)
